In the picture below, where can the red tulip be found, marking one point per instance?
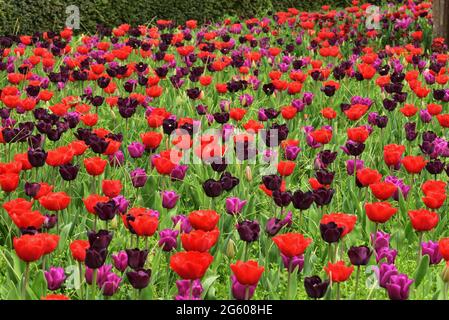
(92, 200)
(423, 220)
(111, 188)
(359, 134)
(29, 248)
(9, 181)
(292, 244)
(95, 166)
(383, 190)
(199, 240)
(247, 273)
(55, 201)
(322, 136)
(191, 265)
(78, 249)
(379, 212)
(367, 176)
(144, 225)
(338, 272)
(393, 154)
(414, 164)
(342, 220)
(286, 168)
(205, 220)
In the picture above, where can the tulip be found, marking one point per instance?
(234, 205)
(169, 199)
(384, 273)
(136, 258)
(240, 291)
(249, 232)
(359, 256)
(315, 287)
(120, 260)
(111, 284)
(189, 289)
(139, 279)
(168, 239)
(55, 277)
(136, 149)
(399, 286)
(431, 249)
(138, 177)
(183, 222)
(380, 240)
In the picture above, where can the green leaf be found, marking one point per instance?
(207, 283)
(421, 271)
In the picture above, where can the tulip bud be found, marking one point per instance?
(445, 273)
(230, 249)
(249, 175)
(113, 223)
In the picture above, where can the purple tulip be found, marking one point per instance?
(432, 250)
(234, 205)
(120, 260)
(386, 253)
(111, 284)
(121, 203)
(136, 149)
(425, 116)
(169, 199)
(179, 172)
(239, 290)
(382, 240)
(398, 287)
(116, 159)
(291, 152)
(183, 221)
(168, 239)
(189, 290)
(399, 183)
(350, 166)
(102, 274)
(138, 177)
(293, 263)
(384, 272)
(55, 277)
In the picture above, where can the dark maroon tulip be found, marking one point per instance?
(139, 279)
(212, 188)
(315, 287)
(248, 230)
(136, 258)
(330, 232)
(302, 200)
(106, 210)
(359, 256)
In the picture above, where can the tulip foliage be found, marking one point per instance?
(301, 155)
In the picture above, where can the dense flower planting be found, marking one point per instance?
(297, 156)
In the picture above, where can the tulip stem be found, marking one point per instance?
(329, 253)
(25, 280)
(357, 276)
(446, 291)
(245, 249)
(289, 278)
(247, 292)
(190, 289)
(80, 270)
(338, 291)
(94, 283)
(420, 237)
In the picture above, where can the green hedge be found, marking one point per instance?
(28, 16)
